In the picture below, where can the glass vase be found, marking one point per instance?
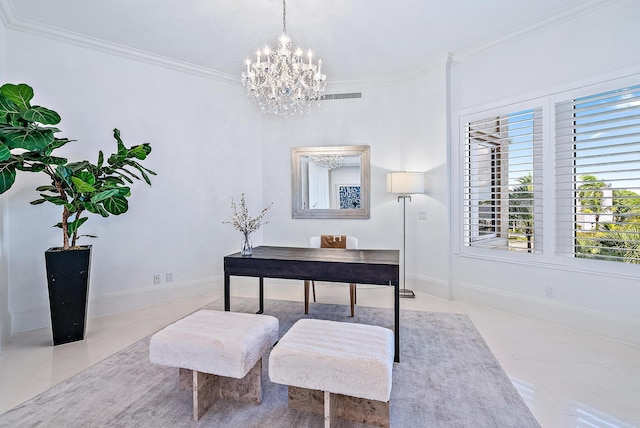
(246, 247)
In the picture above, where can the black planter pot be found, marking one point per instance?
(68, 280)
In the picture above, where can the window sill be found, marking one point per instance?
(567, 264)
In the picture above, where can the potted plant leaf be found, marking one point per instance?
(27, 143)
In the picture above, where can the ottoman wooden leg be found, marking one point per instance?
(207, 388)
(371, 412)
(355, 409)
(205, 392)
(247, 389)
(330, 409)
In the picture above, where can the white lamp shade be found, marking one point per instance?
(405, 182)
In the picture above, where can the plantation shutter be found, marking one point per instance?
(598, 176)
(503, 182)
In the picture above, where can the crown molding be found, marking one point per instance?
(559, 18)
(6, 10)
(13, 22)
(565, 16)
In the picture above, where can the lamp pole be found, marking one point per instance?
(405, 183)
(404, 292)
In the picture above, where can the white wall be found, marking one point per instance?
(602, 42)
(424, 149)
(371, 120)
(206, 149)
(404, 125)
(5, 318)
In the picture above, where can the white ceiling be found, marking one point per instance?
(356, 39)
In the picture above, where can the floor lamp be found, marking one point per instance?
(405, 183)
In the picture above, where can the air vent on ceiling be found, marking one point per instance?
(341, 96)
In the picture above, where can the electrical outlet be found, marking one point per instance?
(156, 279)
(168, 277)
(549, 292)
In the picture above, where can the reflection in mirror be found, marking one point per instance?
(330, 182)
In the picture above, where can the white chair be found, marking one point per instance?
(315, 242)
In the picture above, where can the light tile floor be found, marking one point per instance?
(566, 377)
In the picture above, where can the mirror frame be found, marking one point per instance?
(297, 211)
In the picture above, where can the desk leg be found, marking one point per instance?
(227, 294)
(261, 296)
(396, 287)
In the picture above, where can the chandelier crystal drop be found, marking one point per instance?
(284, 81)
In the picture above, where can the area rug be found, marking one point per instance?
(447, 377)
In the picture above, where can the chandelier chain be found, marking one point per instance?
(284, 17)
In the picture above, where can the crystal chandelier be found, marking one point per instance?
(283, 81)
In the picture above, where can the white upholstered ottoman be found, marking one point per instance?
(219, 354)
(337, 369)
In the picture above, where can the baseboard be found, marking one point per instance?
(125, 301)
(140, 298)
(606, 325)
(424, 284)
(5, 329)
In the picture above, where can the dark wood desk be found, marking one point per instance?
(380, 267)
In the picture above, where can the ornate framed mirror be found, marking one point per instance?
(330, 182)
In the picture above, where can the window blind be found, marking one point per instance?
(598, 176)
(503, 182)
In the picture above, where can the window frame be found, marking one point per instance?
(546, 100)
(500, 113)
(619, 267)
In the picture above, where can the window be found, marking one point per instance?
(502, 183)
(598, 176)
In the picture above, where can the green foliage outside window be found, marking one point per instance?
(615, 240)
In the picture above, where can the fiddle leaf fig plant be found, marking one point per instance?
(27, 137)
(27, 141)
